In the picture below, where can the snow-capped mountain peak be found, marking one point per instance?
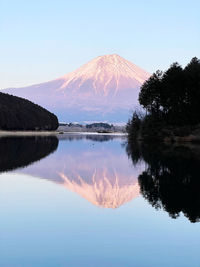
(104, 89)
(107, 72)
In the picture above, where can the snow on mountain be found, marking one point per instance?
(104, 89)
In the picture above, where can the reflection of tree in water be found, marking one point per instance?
(171, 180)
(99, 138)
(92, 137)
(16, 152)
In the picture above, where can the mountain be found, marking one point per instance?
(104, 89)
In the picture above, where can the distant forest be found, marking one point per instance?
(171, 100)
(20, 114)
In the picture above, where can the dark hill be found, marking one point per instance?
(20, 114)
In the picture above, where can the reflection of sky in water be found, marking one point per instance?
(43, 224)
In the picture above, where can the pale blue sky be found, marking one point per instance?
(42, 39)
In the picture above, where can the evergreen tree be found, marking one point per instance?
(173, 95)
(171, 100)
(192, 73)
(150, 94)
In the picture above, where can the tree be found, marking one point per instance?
(172, 102)
(133, 125)
(173, 95)
(192, 74)
(150, 94)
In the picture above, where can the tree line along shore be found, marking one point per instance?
(171, 104)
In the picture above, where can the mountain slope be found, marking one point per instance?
(106, 88)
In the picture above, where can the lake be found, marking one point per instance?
(94, 200)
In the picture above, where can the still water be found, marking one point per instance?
(96, 201)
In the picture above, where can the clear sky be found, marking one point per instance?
(43, 39)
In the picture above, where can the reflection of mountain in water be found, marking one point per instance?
(99, 172)
(19, 152)
(171, 180)
(106, 188)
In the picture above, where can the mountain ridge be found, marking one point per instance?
(104, 89)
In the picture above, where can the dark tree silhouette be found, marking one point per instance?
(150, 94)
(20, 114)
(172, 102)
(133, 126)
(192, 73)
(98, 124)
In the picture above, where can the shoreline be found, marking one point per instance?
(27, 133)
(54, 133)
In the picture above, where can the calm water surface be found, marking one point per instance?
(95, 201)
